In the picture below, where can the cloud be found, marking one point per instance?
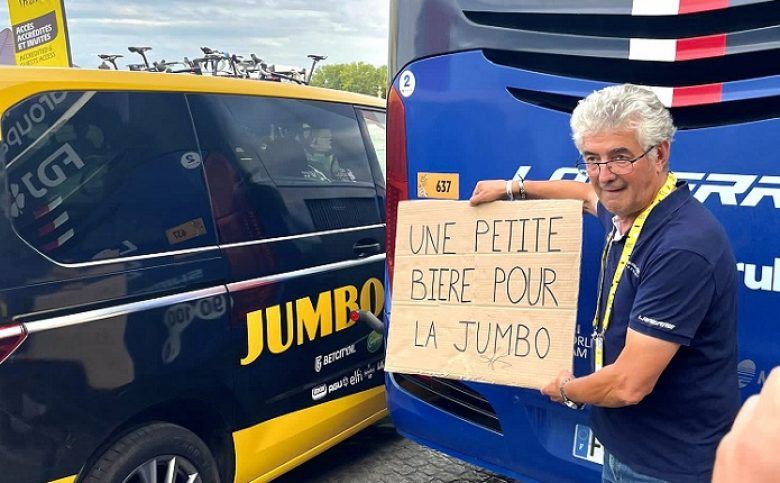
(280, 31)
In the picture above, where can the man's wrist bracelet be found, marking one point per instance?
(510, 195)
(521, 186)
(510, 189)
(565, 399)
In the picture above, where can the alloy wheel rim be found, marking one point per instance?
(165, 469)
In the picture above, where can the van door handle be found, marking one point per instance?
(364, 248)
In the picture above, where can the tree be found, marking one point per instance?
(354, 77)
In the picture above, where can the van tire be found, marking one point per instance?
(143, 444)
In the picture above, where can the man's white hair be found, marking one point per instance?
(623, 107)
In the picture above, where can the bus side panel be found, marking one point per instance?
(482, 131)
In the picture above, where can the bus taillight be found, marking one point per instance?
(11, 337)
(397, 175)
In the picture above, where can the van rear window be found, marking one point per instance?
(100, 175)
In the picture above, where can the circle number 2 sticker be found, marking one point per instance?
(406, 83)
(191, 160)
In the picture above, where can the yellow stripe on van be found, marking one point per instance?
(67, 479)
(276, 446)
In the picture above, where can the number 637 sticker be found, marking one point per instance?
(438, 186)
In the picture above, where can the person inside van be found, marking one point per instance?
(664, 387)
(286, 157)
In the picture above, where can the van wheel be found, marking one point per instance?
(156, 453)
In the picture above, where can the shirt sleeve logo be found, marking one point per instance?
(658, 324)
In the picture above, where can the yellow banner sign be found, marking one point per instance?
(486, 294)
(40, 33)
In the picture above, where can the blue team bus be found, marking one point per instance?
(484, 89)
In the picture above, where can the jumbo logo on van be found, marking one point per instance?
(303, 321)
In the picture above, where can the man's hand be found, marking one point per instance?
(749, 451)
(487, 191)
(553, 388)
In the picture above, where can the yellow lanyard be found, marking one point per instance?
(628, 248)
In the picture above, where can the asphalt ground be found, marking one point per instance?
(380, 455)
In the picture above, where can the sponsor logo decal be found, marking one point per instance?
(730, 189)
(17, 201)
(24, 123)
(375, 341)
(340, 384)
(334, 356)
(659, 324)
(358, 376)
(369, 372)
(278, 328)
(51, 172)
(746, 372)
(347, 381)
(767, 281)
(733, 189)
(631, 266)
(319, 392)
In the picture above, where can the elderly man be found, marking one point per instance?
(664, 386)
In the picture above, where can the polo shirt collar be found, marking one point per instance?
(667, 207)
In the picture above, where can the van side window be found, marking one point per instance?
(376, 125)
(280, 167)
(100, 175)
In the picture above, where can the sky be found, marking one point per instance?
(281, 32)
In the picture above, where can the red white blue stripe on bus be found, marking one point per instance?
(680, 96)
(610, 7)
(676, 50)
(653, 48)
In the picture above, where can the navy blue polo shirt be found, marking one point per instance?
(680, 286)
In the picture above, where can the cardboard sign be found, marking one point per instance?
(485, 293)
(40, 33)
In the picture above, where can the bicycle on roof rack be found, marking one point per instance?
(219, 64)
(188, 67)
(142, 52)
(315, 59)
(108, 61)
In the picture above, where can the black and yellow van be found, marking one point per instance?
(179, 256)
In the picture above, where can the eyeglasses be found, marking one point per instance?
(618, 164)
